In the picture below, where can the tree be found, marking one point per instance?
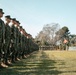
(63, 36)
(72, 40)
(47, 35)
(63, 33)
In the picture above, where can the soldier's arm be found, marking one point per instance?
(0, 32)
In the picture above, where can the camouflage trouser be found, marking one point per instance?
(7, 49)
(17, 48)
(23, 48)
(13, 49)
(20, 51)
(1, 50)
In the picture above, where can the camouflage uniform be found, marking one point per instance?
(24, 45)
(17, 42)
(7, 42)
(2, 40)
(13, 42)
(21, 44)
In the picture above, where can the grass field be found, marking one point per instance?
(44, 63)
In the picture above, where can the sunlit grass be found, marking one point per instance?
(44, 63)
(62, 54)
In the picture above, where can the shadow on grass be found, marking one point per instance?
(37, 64)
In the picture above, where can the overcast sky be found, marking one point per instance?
(34, 14)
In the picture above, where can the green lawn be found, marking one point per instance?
(44, 63)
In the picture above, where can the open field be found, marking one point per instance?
(44, 63)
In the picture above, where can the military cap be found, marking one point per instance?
(14, 19)
(1, 10)
(20, 27)
(8, 16)
(18, 22)
(23, 29)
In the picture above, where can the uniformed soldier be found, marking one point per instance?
(29, 42)
(24, 40)
(7, 39)
(17, 39)
(2, 39)
(15, 43)
(21, 42)
(13, 40)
